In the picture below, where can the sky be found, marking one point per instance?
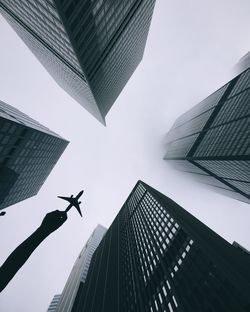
(191, 50)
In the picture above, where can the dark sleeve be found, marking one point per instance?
(19, 256)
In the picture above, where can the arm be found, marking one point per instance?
(19, 256)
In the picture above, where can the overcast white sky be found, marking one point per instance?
(191, 50)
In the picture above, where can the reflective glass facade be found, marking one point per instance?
(90, 47)
(79, 272)
(158, 257)
(28, 153)
(215, 136)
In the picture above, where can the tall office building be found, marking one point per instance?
(90, 47)
(212, 139)
(241, 248)
(157, 257)
(28, 153)
(54, 303)
(243, 63)
(79, 272)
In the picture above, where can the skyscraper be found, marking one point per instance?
(212, 139)
(90, 47)
(157, 257)
(243, 63)
(241, 248)
(28, 153)
(79, 272)
(54, 303)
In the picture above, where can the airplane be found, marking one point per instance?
(73, 202)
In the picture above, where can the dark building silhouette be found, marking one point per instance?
(212, 139)
(158, 257)
(90, 47)
(79, 272)
(241, 248)
(28, 153)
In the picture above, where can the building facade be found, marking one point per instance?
(157, 257)
(28, 153)
(79, 272)
(243, 63)
(90, 47)
(212, 139)
(54, 303)
(241, 248)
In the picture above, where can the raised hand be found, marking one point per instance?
(52, 221)
(19, 256)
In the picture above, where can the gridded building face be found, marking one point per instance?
(79, 271)
(28, 152)
(157, 257)
(90, 47)
(54, 303)
(212, 139)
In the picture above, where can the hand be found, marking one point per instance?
(52, 221)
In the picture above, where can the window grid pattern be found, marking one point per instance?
(93, 25)
(190, 127)
(42, 18)
(223, 143)
(242, 84)
(128, 279)
(163, 242)
(170, 258)
(110, 39)
(235, 170)
(150, 261)
(156, 231)
(226, 140)
(241, 185)
(210, 102)
(79, 271)
(9, 112)
(121, 61)
(28, 153)
(134, 200)
(54, 303)
(105, 41)
(229, 133)
(234, 108)
(66, 78)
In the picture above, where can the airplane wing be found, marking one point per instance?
(73, 202)
(65, 198)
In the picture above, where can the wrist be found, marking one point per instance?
(42, 232)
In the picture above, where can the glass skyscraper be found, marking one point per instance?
(243, 63)
(90, 47)
(242, 249)
(54, 303)
(28, 153)
(157, 257)
(212, 140)
(78, 274)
